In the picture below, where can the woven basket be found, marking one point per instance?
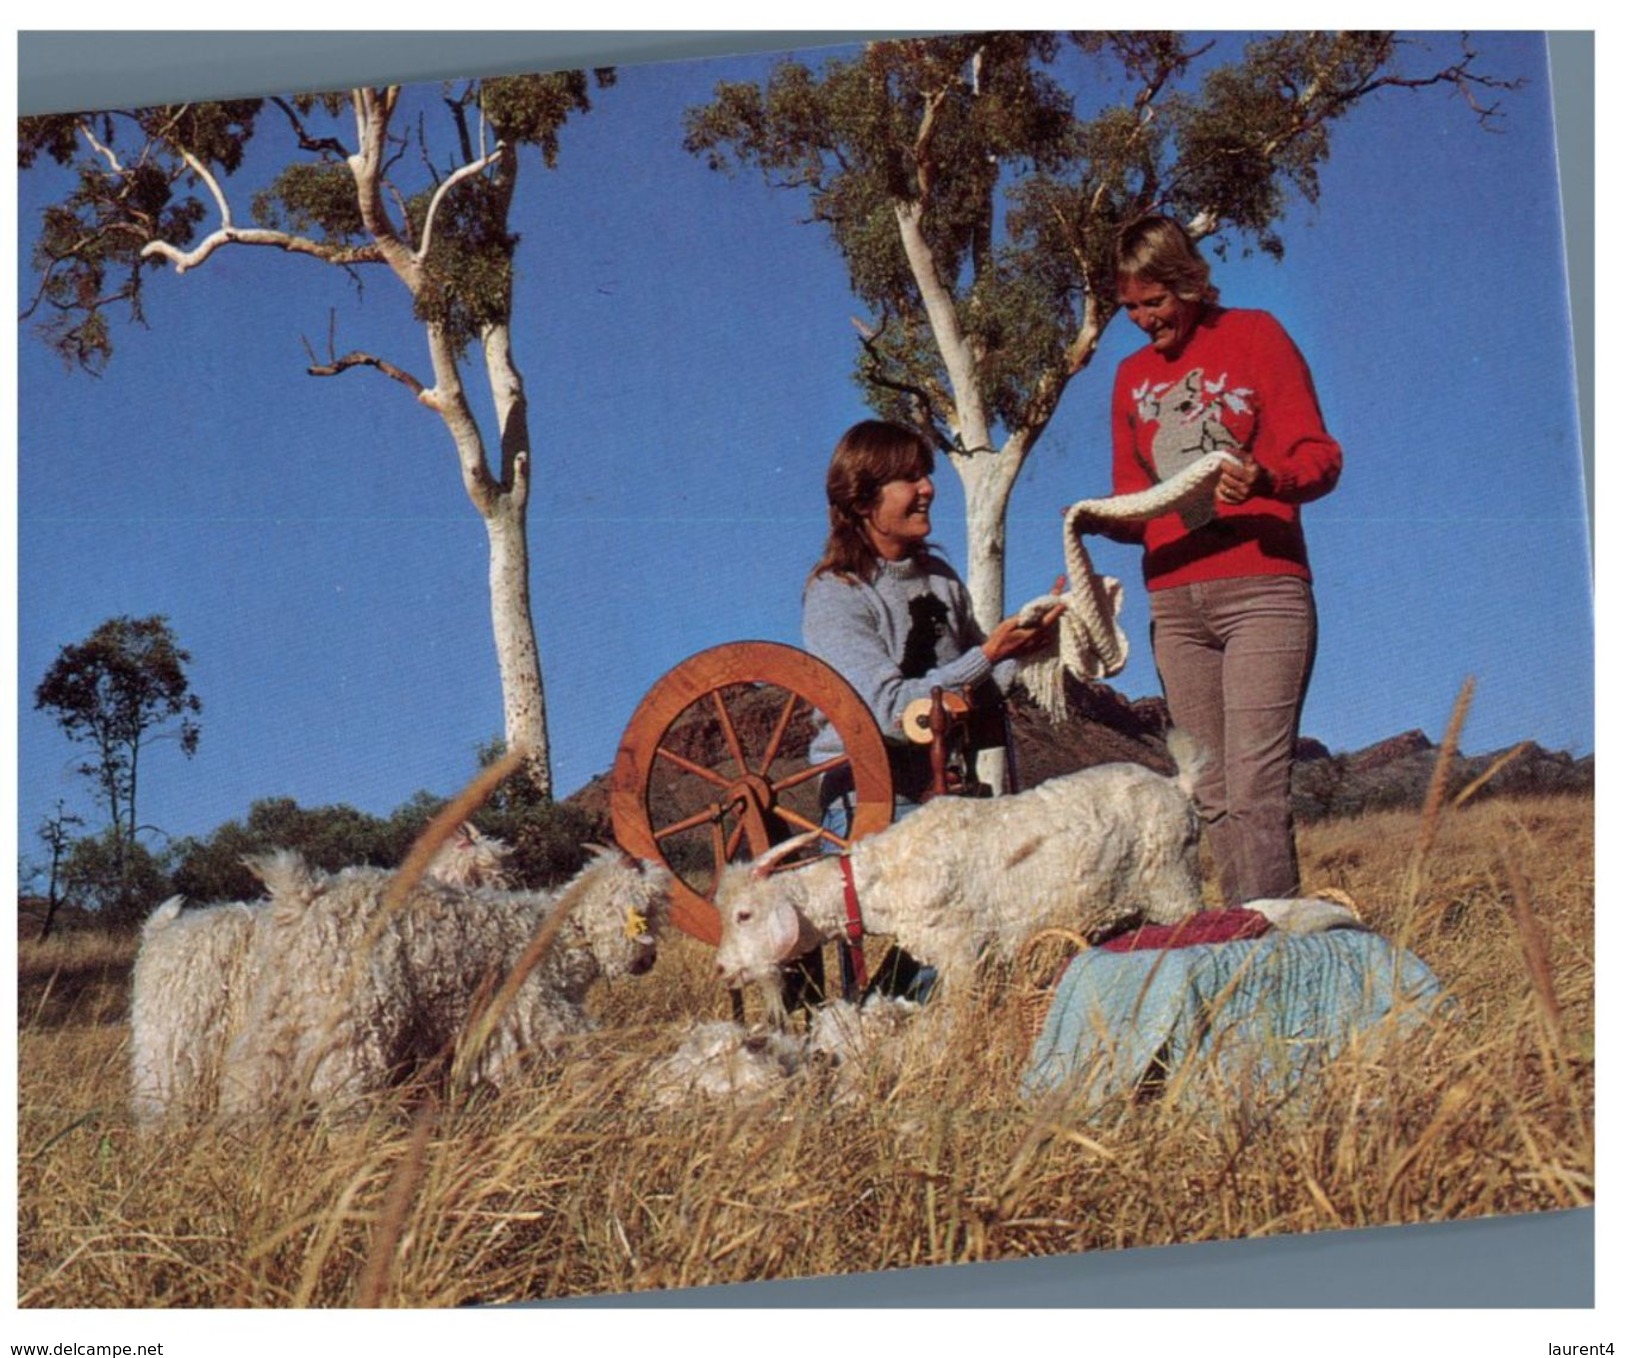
(1040, 964)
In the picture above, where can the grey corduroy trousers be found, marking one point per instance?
(1235, 658)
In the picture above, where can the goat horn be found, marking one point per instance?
(765, 864)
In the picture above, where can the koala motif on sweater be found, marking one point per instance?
(1188, 414)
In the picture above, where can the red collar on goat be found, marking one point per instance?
(854, 925)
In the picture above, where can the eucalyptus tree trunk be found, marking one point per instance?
(988, 474)
(503, 500)
(519, 662)
(987, 481)
(503, 503)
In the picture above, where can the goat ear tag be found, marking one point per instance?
(636, 925)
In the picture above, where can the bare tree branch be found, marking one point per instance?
(105, 152)
(358, 106)
(215, 191)
(306, 141)
(925, 403)
(357, 359)
(465, 172)
(367, 165)
(406, 218)
(924, 166)
(342, 256)
(459, 117)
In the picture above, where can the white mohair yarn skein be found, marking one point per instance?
(1088, 641)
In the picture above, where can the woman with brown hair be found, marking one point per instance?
(888, 612)
(1233, 623)
(892, 616)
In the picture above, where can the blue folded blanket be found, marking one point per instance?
(1263, 1011)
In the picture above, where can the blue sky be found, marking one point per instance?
(686, 344)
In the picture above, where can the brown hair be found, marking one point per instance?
(869, 454)
(1159, 250)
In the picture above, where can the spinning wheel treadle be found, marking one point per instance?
(673, 802)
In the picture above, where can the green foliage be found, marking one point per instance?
(466, 282)
(550, 845)
(936, 124)
(121, 688)
(331, 102)
(116, 877)
(1020, 196)
(314, 200)
(851, 138)
(549, 839)
(407, 821)
(56, 135)
(216, 134)
(328, 837)
(467, 278)
(529, 110)
(88, 254)
(136, 178)
(130, 190)
(1262, 127)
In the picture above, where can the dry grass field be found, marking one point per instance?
(572, 1184)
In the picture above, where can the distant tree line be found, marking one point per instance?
(123, 689)
(548, 840)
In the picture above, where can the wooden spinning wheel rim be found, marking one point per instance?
(751, 796)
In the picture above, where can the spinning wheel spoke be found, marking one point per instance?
(795, 818)
(728, 732)
(732, 846)
(810, 772)
(689, 766)
(711, 815)
(777, 738)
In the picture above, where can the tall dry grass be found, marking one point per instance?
(570, 1184)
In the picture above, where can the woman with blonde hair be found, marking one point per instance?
(1233, 624)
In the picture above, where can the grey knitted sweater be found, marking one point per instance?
(895, 640)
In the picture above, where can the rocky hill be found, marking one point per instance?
(1106, 727)
(1393, 773)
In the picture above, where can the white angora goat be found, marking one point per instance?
(323, 994)
(337, 1018)
(197, 969)
(962, 877)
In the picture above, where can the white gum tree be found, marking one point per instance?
(976, 202)
(361, 186)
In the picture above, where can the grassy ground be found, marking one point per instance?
(572, 1184)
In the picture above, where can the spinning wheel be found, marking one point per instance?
(673, 801)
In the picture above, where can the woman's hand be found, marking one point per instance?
(1238, 483)
(1012, 637)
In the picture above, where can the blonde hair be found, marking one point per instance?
(869, 454)
(1159, 250)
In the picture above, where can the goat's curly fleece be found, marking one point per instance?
(197, 967)
(188, 993)
(963, 876)
(322, 992)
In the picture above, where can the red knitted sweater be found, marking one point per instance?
(1239, 383)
